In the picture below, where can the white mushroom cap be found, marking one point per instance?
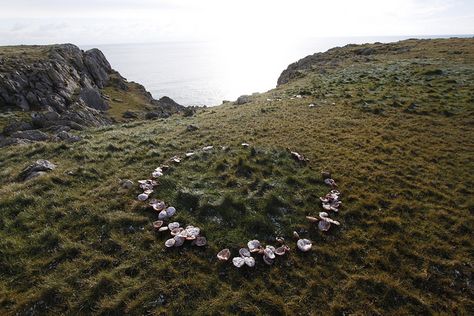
(244, 252)
(173, 225)
(238, 262)
(249, 261)
(327, 206)
(162, 215)
(142, 197)
(193, 231)
(148, 192)
(170, 242)
(296, 235)
(179, 241)
(323, 214)
(253, 245)
(207, 148)
(158, 205)
(329, 220)
(270, 247)
(157, 173)
(324, 225)
(224, 254)
(280, 239)
(312, 219)
(269, 253)
(189, 154)
(170, 211)
(304, 244)
(157, 224)
(201, 241)
(163, 228)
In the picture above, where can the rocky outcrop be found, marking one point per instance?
(63, 89)
(63, 84)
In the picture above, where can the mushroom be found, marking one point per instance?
(189, 154)
(158, 205)
(224, 254)
(175, 159)
(179, 241)
(148, 192)
(312, 219)
(201, 241)
(170, 211)
(245, 145)
(142, 197)
(176, 231)
(330, 182)
(192, 231)
(280, 251)
(238, 262)
(296, 235)
(268, 252)
(157, 224)
(157, 173)
(249, 261)
(170, 242)
(267, 260)
(173, 225)
(324, 225)
(207, 148)
(244, 252)
(323, 214)
(162, 215)
(281, 240)
(253, 245)
(162, 229)
(304, 244)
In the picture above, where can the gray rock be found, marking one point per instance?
(152, 115)
(243, 99)
(129, 114)
(192, 128)
(92, 98)
(16, 126)
(33, 135)
(68, 137)
(36, 169)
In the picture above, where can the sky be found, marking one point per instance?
(88, 22)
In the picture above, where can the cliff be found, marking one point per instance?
(66, 88)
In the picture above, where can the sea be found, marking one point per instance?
(209, 72)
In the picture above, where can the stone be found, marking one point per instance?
(38, 168)
(192, 128)
(243, 99)
(129, 115)
(33, 135)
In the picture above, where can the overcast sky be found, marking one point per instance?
(128, 21)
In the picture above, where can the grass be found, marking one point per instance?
(73, 241)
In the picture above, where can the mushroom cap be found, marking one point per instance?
(224, 254)
(327, 206)
(157, 224)
(163, 228)
(245, 144)
(173, 225)
(201, 241)
(148, 192)
(323, 214)
(244, 252)
(296, 235)
(162, 215)
(238, 261)
(269, 253)
(156, 173)
(312, 219)
(193, 231)
(304, 244)
(270, 247)
(329, 220)
(207, 148)
(142, 197)
(249, 261)
(176, 231)
(158, 205)
(324, 225)
(280, 239)
(170, 242)
(253, 245)
(170, 211)
(280, 251)
(267, 260)
(179, 241)
(189, 154)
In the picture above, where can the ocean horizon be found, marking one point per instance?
(209, 72)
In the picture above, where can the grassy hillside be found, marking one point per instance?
(396, 130)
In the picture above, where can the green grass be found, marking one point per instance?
(74, 241)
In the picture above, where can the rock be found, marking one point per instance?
(68, 137)
(33, 135)
(152, 115)
(129, 114)
(40, 167)
(17, 126)
(93, 99)
(127, 184)
(192, 128)
(242, 99)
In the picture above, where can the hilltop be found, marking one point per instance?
(393, 123)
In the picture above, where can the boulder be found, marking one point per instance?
(36, 169)
(93, 99)
(242, 100)
(129, 114)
